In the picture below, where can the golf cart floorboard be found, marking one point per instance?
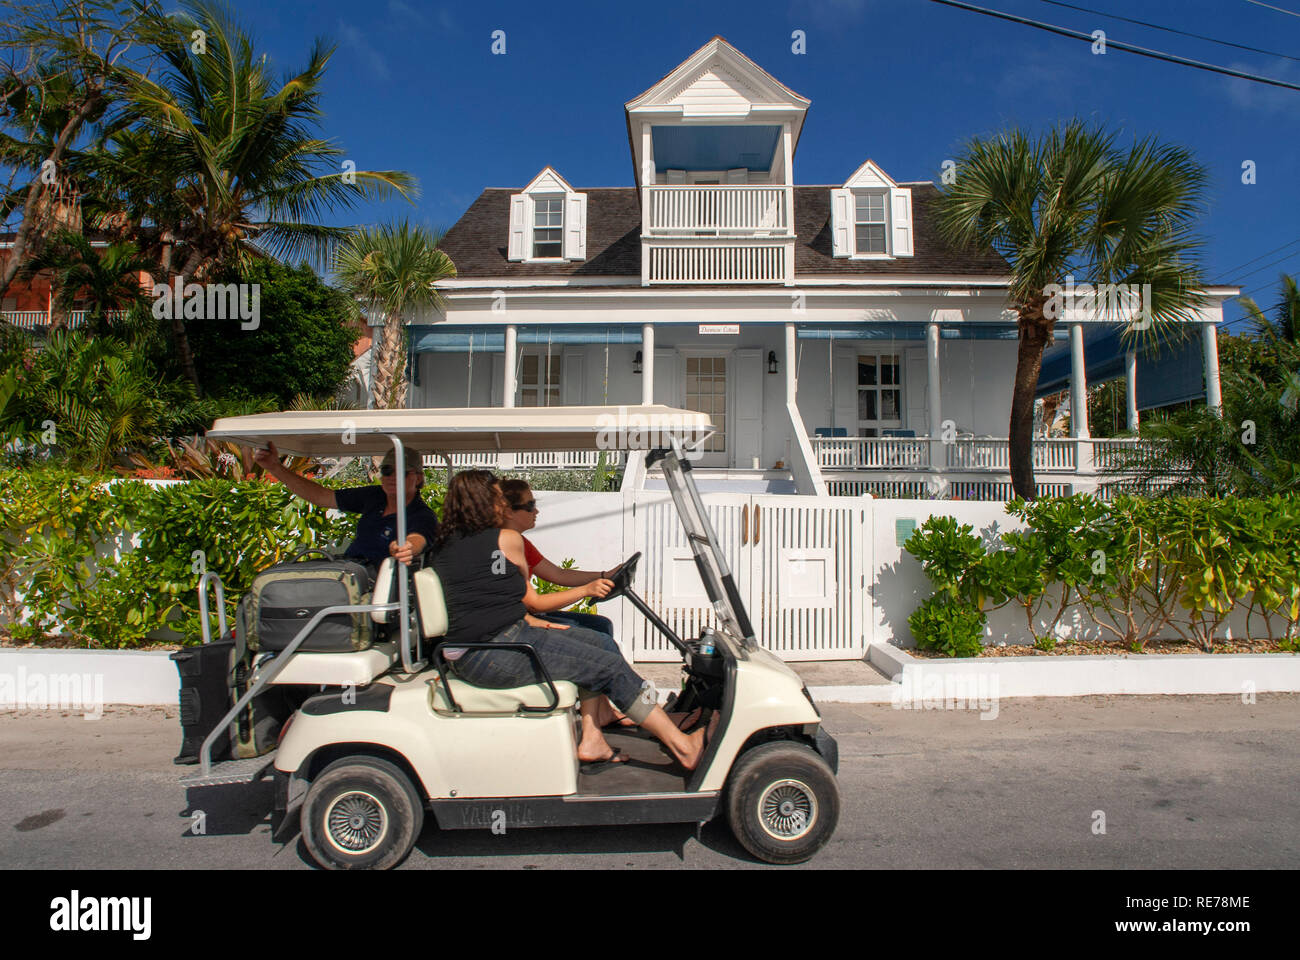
(650, 768)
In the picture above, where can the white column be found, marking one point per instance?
(648, 363)
(1210, 346)
(510, 385)
(791, 380)
(1130, 388)
(1078, 385)
(937, 458)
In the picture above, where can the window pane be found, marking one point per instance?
(889, 404)
(866, 405)
(866, 371)
(871, 238)
(870, 208)
(530, 369)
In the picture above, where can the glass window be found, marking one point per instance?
(869, 222)
(534, 391)
(548, 223)
(880, 397)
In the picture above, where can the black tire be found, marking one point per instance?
(374, 808)
(782, 802)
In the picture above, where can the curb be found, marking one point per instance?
(149, 678)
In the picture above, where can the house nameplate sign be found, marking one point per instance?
(719, 328)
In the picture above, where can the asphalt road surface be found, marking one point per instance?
(1204, 782)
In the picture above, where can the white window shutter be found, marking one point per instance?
(738, 175)
(900, 211)
(842, 222)
(521, 209)
(677, 176)
(575, 226)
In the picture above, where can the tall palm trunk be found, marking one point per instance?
(1035, 332)
(183, 351)
(390, 348)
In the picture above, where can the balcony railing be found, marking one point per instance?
(549, 460)
(970, 454)
(721, 211)
(35, 320)
(717, 261)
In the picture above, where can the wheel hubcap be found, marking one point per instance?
(787, 809)
(356, 822)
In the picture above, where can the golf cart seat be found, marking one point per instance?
(431, 614)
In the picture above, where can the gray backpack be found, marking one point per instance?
(285, 596)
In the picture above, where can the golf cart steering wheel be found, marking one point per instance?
(622, 576)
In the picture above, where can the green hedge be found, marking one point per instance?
(1136, 566)
(113, 561)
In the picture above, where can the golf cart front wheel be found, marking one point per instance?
(782, 802)
(361, 813)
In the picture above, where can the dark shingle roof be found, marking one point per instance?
(477, 242)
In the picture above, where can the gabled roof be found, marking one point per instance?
(477, 241)
(870, 175)
(547, 181)
(730, 66)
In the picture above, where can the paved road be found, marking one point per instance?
(1203, 782)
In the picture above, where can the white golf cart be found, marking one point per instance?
(396, 733)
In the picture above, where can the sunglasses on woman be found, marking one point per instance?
(528, 507)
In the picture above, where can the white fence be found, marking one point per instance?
(549, 460)
(33, 320)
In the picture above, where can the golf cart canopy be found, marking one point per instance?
(320, 433)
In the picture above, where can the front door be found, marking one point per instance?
(705, 380)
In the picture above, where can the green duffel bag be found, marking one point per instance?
(285, 596)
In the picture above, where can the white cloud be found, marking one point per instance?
(354, 38)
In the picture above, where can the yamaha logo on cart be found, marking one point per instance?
(76, 913)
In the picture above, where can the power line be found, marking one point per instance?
(1119, 45)
(1184, 33)
(1269, 253)
(1290, 13)
(1283, 259)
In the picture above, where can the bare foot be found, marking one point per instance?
(694, 751)
(595, 749)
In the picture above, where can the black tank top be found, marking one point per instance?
(484, 590)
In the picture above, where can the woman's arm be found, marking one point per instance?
(512, 546)
(566, 578)
(269, 460)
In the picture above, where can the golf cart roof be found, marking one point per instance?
(467, 429)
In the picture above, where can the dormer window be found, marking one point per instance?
(548, 228)
(871, 217)
(548, 221)
(869, 222)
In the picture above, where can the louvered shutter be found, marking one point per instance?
(842, 222)
(521, 208)
(900, 211)
(575, 226)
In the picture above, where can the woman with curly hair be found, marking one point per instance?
(485, 580)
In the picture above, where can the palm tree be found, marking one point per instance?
(392, 269)
(1072, 204)
(106, 282)
(216, 164)
(1287, 325)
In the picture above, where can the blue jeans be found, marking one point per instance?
(593, 622)
(576, 654)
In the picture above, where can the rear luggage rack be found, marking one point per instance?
(249, 770)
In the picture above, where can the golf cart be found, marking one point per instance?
(395, 733)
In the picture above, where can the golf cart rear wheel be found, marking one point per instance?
(782, 802)
(361, 813)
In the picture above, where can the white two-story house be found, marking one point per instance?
(837, 342)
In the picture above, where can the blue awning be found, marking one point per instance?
(1170, 374)
(440, 338)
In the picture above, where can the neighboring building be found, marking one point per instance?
(826, 328)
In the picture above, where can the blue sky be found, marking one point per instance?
(415, 86)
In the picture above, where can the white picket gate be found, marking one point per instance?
(799, 564)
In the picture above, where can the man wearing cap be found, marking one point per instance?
(376, 536)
